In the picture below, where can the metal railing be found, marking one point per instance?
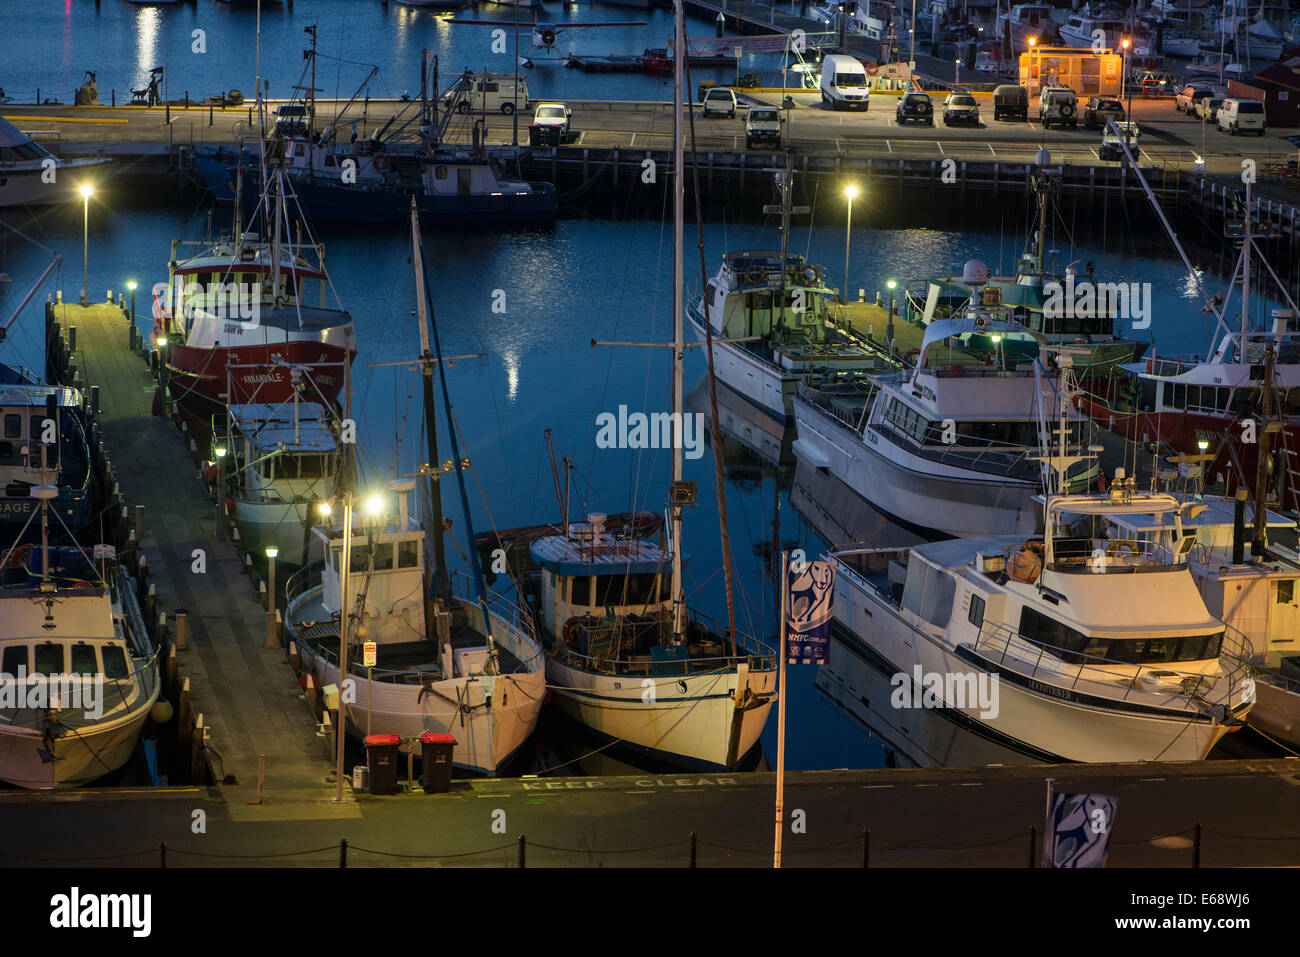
(1065, 668)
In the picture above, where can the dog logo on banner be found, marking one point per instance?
(1079, 827)
(811, 604)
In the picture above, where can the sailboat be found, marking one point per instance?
(78, 671)
(448, 659)
(625, 656)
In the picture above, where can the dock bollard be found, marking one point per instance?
(139, 522)
(273, 625)
(522, 852)
(182, 629)
(692, 861)
(72, 339)
(94, 400)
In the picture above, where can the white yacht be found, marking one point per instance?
(1083, 29)
(1025, 21)
(30, 175)
(284, 459)
(951, 444)
(78, 671)
(1065, 647)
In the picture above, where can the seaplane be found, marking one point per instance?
(544, 34)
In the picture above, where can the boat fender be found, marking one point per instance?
(871, 68)
(754, 275)
(381, 161)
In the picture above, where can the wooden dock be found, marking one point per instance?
(245, 697)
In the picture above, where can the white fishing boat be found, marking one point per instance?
(30, 175)
(775, 324)
(448, 660)
(1026, 21)
(283, 460)
(78, 672)
(949, 445)
(625, 656)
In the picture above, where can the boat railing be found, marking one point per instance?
(1067, 669)
(713, 658)
(827, 400)
(1109, 555)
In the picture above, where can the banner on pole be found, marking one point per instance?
(1078, 830)
(810, 606)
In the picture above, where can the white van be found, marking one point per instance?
(1236, 115)
(844, 83)
(494, 92)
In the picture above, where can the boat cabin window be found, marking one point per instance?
(1285, 591)
(308, 466)
(408, 554)
(13, 426)
(21, 151)
(440, 172)
(618, 590)
(83, 659)
(15, 661)
(976, 613)
(114, 662)
(384, 557)
(1074, 646)
(985, 433)
(49, 659)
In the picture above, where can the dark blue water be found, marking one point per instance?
(563, 287)
(50, 43)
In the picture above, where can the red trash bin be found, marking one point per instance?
(435, 760)
(381, 761)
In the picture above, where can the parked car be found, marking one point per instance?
(1208, 108)
(1111, 148)
(1058, 106)
(493, 92)
(763, 126)
(291, 120)
(915, 107)
(960, 108)
(721, 101)
(550, 125)
(1185, 100)
(1010, 102)
(1099, 110)
(1237, 114)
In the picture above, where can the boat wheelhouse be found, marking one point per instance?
(470, 669)
(1066, 647)
(605, 613)
(25, 413)
(950, 445)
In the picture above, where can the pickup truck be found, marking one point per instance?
(550, 125)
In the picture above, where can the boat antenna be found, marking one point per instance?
(679, 199)
(719, 474)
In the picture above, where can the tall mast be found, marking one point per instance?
(427, 362)
(679, 347)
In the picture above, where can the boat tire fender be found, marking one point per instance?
(381, 161)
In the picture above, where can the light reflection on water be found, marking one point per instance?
(565, 286)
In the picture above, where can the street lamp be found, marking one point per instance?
(272, 639)
(86, 191)
(131, 284)
(1123, 75)
(850, 193)
(220, 452)
(889, 324)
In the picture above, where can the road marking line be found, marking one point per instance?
(876, 787)
(890, 145)
(61, 119)
(940, 145)
(632, 141)
(990, 146)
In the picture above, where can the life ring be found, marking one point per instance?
(1113, 548)
(811, 275)
(754, 275)
(381, 161)
(871, 68)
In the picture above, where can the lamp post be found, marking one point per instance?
(1123, 77)
(272, 639)
(340, 730)
(220, 531)
(1033, 64)
(889, 325)
(850, 193)
(86, 191)
(131, 284)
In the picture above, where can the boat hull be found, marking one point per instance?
(749, 375)
(28, 186)
(688, 722)
(196, 378)
(911, 488)
(1043, 722)
(77, 759)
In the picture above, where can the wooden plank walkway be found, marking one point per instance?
(248, 695)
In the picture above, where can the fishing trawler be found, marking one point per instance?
(78, 671)
(25, 408)
(949, 445)
(774, 323)
(1043, 297)
(242, 306)
(448, 659)
(283, 460)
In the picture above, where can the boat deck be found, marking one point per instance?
(410, 660)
